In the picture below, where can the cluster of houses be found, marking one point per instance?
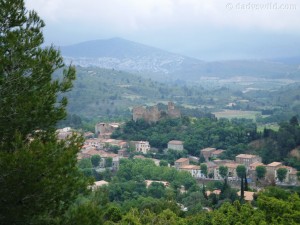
(250, 162)
(102, 144)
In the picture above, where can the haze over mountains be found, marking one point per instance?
(121, 54)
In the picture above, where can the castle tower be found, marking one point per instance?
(172, 111)
(171, 106)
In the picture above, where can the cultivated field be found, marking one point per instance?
(229, 114)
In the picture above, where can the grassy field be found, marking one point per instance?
(229, 114)
(272, 126)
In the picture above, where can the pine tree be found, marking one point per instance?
(28, 92)
(38, 175)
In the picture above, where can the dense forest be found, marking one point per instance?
(278, 145)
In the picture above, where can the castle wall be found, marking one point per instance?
(153, 114)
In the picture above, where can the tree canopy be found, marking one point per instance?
(281, 174)
(196, 134)
(241, 171)
(223, 170)
(260, 171)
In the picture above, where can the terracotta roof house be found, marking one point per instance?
(256, 164)
(252, 170)
(207, 152)
(175, 145)
(193, 170)
(272, 171)
(217, 153)
(211, 166)
(274, 164)
(181, 162)
(248, 195)
(291, 176)
(247, 159)
(149, 182)
(98, 184)
(232, 175)
(217, 192)
(142, 146)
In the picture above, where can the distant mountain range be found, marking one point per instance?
(121, 54)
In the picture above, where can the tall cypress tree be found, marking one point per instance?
(241, 172)
(38, 175)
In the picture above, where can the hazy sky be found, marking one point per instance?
(206, 29)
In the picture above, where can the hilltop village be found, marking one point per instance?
(204, 168)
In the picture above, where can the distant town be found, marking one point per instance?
(203, 168)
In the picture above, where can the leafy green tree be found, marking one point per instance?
(113, 214)
(95, 159)
(203, 168)
(223, 171)
(85, 163)
(167, 217)
(260, 172)
(281, 174)
(39, 181)
(87, 213)
(241, 171)
(279, 210)
(88, 172)
(114, 148)
(294, 121)
(131, 218)
(108, 162)
(39, 178)
(201, 159)
(156, 190)
(28, 92)
(193, 202)
(163, 163)
(107, 175)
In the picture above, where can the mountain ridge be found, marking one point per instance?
(122, 54)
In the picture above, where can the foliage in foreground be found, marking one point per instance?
(39, 179)
(127, 200)
(280, 208)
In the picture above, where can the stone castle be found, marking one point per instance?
(153, 114)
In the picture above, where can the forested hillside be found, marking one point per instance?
(108, 93)
(111, 93)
